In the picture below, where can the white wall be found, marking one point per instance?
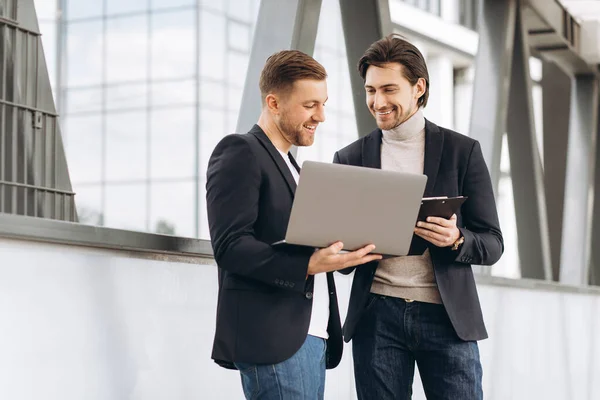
(82, 323)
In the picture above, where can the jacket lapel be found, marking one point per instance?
(434, 143)
(275, 156)
(371, 150)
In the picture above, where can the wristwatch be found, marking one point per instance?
(458, 242)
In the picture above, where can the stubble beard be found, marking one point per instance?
(295, 134)
(400, 119)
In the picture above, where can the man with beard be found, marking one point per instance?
(277, 314)
(423, 307)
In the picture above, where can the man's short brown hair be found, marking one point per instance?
(396, 49)
(284, 68)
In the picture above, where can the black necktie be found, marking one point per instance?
(294, 163)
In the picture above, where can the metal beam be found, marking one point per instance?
(594, 276)
(526, 166)
(36, 177)
(557, 34)
(493, 62)
(281, 25)
(556, 98)
(363, 22)
(581, 161)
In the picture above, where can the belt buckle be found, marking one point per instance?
(408, 300)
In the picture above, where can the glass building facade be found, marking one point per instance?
(147, 88)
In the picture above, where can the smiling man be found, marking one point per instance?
(423, 307)
(277, 313)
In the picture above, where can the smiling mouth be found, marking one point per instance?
(310, 128)
(384, 112)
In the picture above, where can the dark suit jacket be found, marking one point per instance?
(454, 166)
(265, 300)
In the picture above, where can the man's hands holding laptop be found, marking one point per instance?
(441, 232)
(330, 259)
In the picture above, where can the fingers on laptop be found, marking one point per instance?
(360, 256)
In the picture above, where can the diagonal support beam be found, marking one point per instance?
(34, 174)
(526, 166)
(556, 100)
(281, 25)
(581, 162)
(373, 18)
(493, 62)
(594, 277)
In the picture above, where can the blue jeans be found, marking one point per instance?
(301, 377)
(394, 334)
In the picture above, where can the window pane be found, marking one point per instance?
(82, 100)
(126, 206)
(158, 4)
(172, 143)
(239, 36)
(173, 45)
(237, 65)
(234, 100)
(84, 53)
(126, 146)
(240, 9)
(121, 6)
(212, 94)
(82, 9)
(212, 129)
(231, 122)
(127, 49)
(328, 29)
(172, 208)
(82, 138)
(45, 9)
(88, 200)
(212, 45)
(212, 5)
(178, 92)
(126, 96)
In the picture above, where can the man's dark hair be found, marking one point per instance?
(395, 49)
(284, 68)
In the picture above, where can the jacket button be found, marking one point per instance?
(309, 295)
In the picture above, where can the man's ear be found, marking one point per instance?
(272, 103)
(421, 87)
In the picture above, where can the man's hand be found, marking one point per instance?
(329, 259)
(441, 232)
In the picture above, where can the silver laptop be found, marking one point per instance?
(355, 205)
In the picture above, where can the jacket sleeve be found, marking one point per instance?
(233, 185)
(483, 243)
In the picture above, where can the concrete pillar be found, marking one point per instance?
(440, 106)
(463, 98)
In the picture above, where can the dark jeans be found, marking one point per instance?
(394, 334)
(301, 377)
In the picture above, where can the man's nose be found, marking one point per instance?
(320, 114)
(379, 101)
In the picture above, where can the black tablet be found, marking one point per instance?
(442, 207)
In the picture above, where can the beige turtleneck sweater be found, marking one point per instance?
(409, 277)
